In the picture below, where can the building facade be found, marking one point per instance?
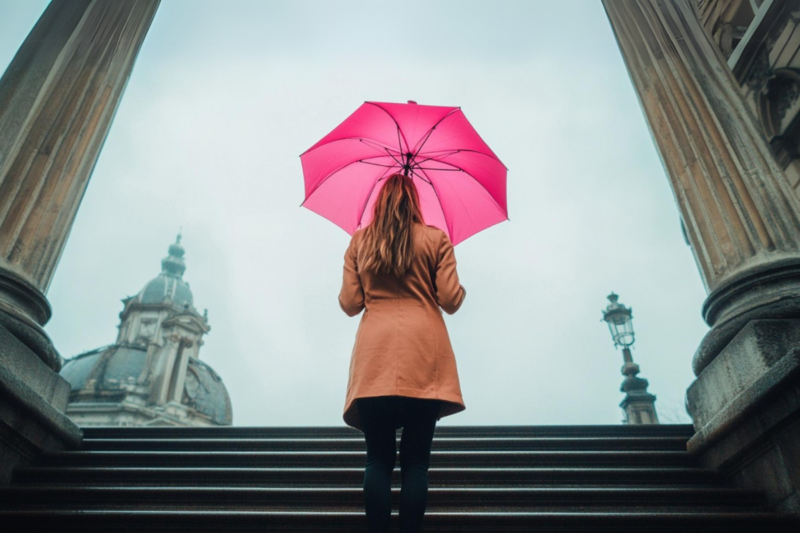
(152, 374)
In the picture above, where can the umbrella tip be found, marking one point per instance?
(412, 102)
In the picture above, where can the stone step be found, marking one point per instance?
(357, 444)
(664, 430)
(352, 459)
(37, 521)
(598, 479)
(329, 499)
(521, 476)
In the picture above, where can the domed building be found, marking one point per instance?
(152, 375)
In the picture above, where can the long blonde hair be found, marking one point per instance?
(389, 239)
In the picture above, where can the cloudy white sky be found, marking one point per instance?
(226, 95)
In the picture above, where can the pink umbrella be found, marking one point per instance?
(461, 182)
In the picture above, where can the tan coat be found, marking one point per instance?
(402, 347)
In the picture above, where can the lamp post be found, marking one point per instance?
(639, 405)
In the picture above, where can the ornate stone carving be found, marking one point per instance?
(759, 72)
(786, 92)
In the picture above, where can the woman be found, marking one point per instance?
(402, 371)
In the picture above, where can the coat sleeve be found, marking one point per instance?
(449, 291)
(351, 297)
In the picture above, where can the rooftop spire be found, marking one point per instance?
(173, 264)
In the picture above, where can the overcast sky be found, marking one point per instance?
(226, 95)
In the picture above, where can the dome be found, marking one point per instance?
(120, 364)
(77, 370)
(204, 390)
(169, 285)
(114, 365)
(135, 380)
(165, 287)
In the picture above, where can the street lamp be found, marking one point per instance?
(620, 322)
(638, 405)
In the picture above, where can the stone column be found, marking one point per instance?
(743, 224)
(57, 100)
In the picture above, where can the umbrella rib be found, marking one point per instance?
(476, 181)
(435, 158)
(438, 198)
(448, 150)
(399, 142)
(376, 164)
(399, 131)
(444, 153)
(467, 211)
(374, 144)
(395, 159)
(430, 131)
(376, 157)
(425, 179)
(326, 178)
(368, 142)
(366, 162)
(344, 167)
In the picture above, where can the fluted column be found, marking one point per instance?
(743, 223)
(741, 218)
(57, 100)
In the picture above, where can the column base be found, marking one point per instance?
(23, 312)
(32, 402)
(746, 410)
(769, 291)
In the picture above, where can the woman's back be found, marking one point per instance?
(402, 347)
(431, 279)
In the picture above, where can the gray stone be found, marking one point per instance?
(746, 410)
(32, 399)
(761, 346)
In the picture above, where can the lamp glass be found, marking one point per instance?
(620, 324)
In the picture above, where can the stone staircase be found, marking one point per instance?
(488, 479)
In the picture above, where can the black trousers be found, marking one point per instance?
(380, 417)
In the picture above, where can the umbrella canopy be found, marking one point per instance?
(461, 182)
